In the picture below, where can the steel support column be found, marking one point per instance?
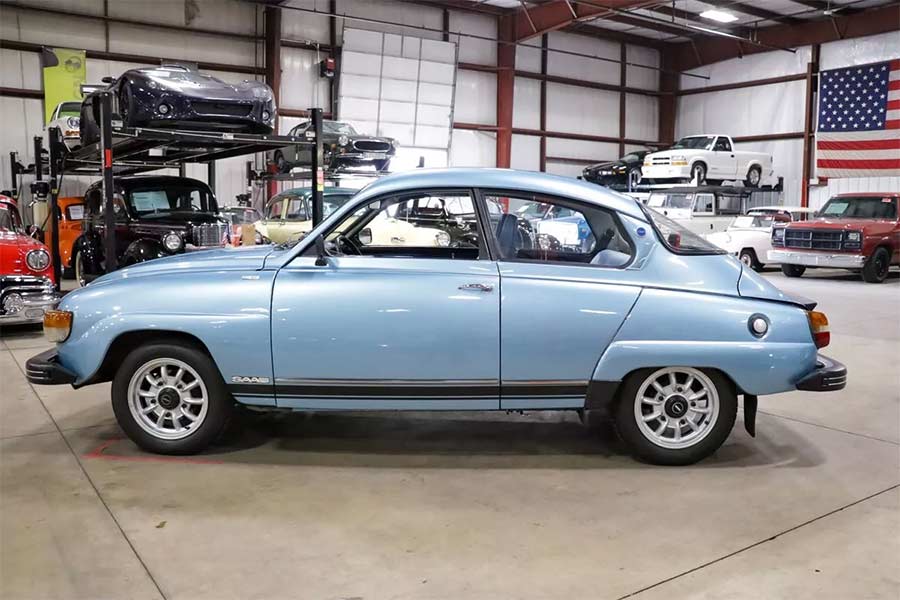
(506, 73)
(317, 168)
(812, 82)
(56, 147)
(109, 212)
(668, 85)
(543, 114)
(623, 74)
(273, 69)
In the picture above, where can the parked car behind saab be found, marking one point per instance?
(749, 237)
(288, 215)
(26, 272)
(649, 322)
(342, 147)
(857, 231)
(617, 174)
(707, 158)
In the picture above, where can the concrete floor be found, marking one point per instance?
(457, 506)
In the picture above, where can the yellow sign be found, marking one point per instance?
(64, 72)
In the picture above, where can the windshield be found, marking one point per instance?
(860, 207)
(9, 218)
(678, 238)
(633, 157)
(297, 207)
(670, 200)
(151, 201)
(752, 221)
(338, 128)
(70, 109)
(697, 142)
(240, 216)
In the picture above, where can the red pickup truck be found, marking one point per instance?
(859, 231)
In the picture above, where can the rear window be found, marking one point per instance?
(677, 238)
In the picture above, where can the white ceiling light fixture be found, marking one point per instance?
(719, 15)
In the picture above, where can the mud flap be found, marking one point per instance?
(750, 414)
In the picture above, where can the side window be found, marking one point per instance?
(704, 204)
(543, 229)
(424, 221)
(75, 212)
(118, 207)
(730, 205)
(297, 210)
(722, 145)
(274, 209)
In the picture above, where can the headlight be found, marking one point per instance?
(442, 238)
(778, 234)
(57, 325)
(395, 143)
(266, 115)
(37, 260)
(172, 242)
(852, 236)
(343, 140)
(678, 157)
(73, 122)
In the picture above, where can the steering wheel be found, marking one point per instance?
(347, 246)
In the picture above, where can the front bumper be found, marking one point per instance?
(829, 376)
(665, 172)
(817, 259)
(25, 302)
(44, 369)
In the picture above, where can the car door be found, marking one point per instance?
(387, 326)
(724, 162)
(565, 294)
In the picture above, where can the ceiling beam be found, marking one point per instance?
(558, 14)
(463, 5)
(707, 50)
(753, 11)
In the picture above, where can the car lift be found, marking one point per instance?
(128, 150)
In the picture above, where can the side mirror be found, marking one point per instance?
(321, 260)
(108, 79)
(365, 236)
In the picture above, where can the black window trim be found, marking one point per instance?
(564, 201)
(661, 239)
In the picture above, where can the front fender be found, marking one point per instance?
(143, 250)
(673, 328)
(90, 246)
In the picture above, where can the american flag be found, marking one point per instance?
(859, 121)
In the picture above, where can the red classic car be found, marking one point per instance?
(26, 274)
(859, 231)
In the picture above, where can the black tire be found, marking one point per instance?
(644, 449)
(220, 404)
(78, 269)
(635, 176)
(698, 172)
(793, 270)
(754, 176)
(749, 258)
(877, 267)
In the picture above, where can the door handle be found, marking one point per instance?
(477, 287)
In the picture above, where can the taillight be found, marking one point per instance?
(818, 324)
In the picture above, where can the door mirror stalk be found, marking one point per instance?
(321, 260)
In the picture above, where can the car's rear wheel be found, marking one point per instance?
(78, 269)
(675, 415)
(754, 176)
(698, 173)
(876, 268)
(634, 177)
(748, 257)
(793, 270)
(169, 398)
(280, 163)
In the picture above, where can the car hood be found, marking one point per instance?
(203, 86)
(867, 225)
(20, 240)
(249, 258)
(612, 164)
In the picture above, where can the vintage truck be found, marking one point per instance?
(707, 158)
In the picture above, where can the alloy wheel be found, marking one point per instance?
(676, 407)
(167, 398)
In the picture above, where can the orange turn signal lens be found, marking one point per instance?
(818, 324)
(57, 325)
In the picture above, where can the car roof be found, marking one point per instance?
(867, 195)
(127, 181)
(503, 179)
(785, 208)
(305, 191)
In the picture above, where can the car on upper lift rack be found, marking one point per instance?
(156, 216)
(342, 147)
(180, 97)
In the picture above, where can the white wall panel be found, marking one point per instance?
(819, 195)
(150, 41)
(787, 160)
(218, 15)
(527, 103)
(754, 66)
(565, 169)
(42, 28)
(636, 148)
(305, 26)
(22, 120)
(577, 67)
(640, 77)
(582, 149)
(525, 152)
(473, 148)
(859, 51)
(88, 7)
(473, 50)
(775, 108)
(20, 70)
(301, 86)
(476, 98)
(396, 12)
(575, 109)
(641, 117)
(528, 56)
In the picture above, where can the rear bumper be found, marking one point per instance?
(44, 369)
(817, 259)
(829, 376)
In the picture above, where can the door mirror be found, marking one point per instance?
(321, 260)
(365, 236)
(108, 80)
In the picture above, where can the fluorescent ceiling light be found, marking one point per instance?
(718, 15)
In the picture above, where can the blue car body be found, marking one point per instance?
(369, 332)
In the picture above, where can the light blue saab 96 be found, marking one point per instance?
(429, 291)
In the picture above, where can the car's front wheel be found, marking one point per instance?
(748, 257)
(877, 266)
(170, 398)
(675, 415)
(793, 270)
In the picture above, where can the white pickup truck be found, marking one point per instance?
(709, 158)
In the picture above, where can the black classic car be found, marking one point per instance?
(156, 216)
(177, 96)
(617, 173)
(342, 146)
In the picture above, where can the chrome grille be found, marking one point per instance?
(212, 234)
(812, 239)
(660, 161)
(371, 145)
(225, 109)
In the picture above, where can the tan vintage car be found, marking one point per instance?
(288, 215)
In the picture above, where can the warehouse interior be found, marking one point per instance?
(513, 503)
